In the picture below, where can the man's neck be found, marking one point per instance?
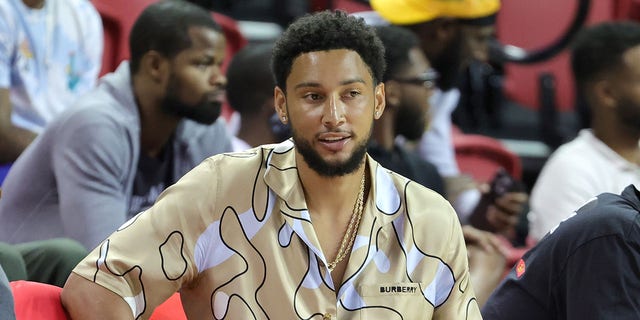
(35, 4)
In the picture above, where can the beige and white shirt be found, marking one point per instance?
(235, 238)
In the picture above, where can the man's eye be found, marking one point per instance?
(312, 96)
(353, 93)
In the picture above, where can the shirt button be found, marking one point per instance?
(326, 316)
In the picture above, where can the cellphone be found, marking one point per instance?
(501, 184)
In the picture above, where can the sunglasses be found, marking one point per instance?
(426, 79)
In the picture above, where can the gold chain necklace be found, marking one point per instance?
(352, 228)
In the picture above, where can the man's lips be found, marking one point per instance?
(334, 141)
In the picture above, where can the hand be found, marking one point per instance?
(503, 214)
(483, 240)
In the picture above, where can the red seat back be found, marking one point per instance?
(40, 301)
(481, 156)
(533, 24)
(35, 301)
(118, 17)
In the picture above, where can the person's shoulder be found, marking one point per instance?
(84, 11)
(421, 201)
(605, 215)
(80, 6)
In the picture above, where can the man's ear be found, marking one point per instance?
(605, 93)
(155, 65)
(280, 103)
(379, 100)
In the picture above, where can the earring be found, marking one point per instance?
(377, 113)
(284, 118)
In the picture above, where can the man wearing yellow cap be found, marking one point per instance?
(452, 33)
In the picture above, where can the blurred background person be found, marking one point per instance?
(605, 157)
(50, 54)
(586, 268)
(409, 81)
(451, 36)
(250, 86)
(146, 125)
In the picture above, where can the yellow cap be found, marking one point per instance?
(416, 11)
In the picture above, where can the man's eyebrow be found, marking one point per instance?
(307, 84)
(350, 81)
(342, 83)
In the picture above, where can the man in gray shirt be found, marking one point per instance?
(139, 131)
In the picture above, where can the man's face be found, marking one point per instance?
(331, 102)
(195, 88)
(465, 43)
(416, 84)
(477, 39)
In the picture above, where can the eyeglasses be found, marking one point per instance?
(426, 79)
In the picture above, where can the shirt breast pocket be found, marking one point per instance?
(387, 301)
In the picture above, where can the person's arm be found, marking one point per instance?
(91, 161)
(84, 299)
(13, 140)
(150, 257)
(93, 35)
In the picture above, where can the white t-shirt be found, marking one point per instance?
(576, 172)
(48, 57)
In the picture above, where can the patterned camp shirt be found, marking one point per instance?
(235, 238)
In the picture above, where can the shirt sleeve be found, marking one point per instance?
(152, 255)
(90, 163)
(461, 303)
(562, 188)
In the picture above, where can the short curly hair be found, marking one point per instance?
(327, 30)
(398, 43)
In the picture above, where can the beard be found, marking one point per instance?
(206, 111)
(449, 64)
(411, 120)
(628, 112)
(328, 169)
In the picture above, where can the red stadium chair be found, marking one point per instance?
(481, 156)
(36, 301)
(533, 24)
(40, 301)
(118, 17)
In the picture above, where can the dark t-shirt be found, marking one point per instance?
(409, 165)
(587, 268)
(152, 177)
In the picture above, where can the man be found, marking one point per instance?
(143, 127)
(409, 81)
(586, 268)
(605, 158)
(451, 35)
(309, 228)
(6, 298)
(50, 54)
(250, 92)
